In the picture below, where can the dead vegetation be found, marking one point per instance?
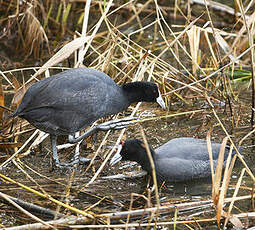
(192, 57)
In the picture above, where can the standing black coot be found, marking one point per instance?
(71, 100)
(179, 159)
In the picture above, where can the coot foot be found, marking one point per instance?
(79, 160)
(73, 163)
(76, 160)
(113, 125)
(116, 124)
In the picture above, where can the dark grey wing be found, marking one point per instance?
(96, 101)
(63, 89)
(188, 148)
(96, 73)
(71, 100)
(176, 169)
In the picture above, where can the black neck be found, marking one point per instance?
(145, 162)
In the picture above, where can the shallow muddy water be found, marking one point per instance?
(109, 195)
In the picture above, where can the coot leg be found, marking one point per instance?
(76, 159)
(55, 153)
(113, 125)
(53, 139)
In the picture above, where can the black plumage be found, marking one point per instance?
(179, 159)
(71, 100)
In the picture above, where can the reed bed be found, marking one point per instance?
(203, 71)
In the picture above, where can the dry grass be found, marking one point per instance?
(134, 41)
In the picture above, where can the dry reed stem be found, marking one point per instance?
(61, 55)
(103, 142)
(88, 215)
(194, 39)
(20, 149)
(231, 141)
(246, 136)
(105, 161)
(35, 218)
(39, 139)
(62, 222)
(209, 148)
(218, 173)
(154, 175)
(176, 38)
(250, 34)
(70, 221)
(18, 165)
(83, 52)
(211, 49)
(228, 171)
(2, 102)
(233, 197)
(218, 6)
(141, 9)
(225, 182)
(214, 35)
(225, 47)
(240, 33)
(6, 78)
(171, 207)
(212, 74)
(68, 186)
(34, 68)
(131, 204)
(84, 31)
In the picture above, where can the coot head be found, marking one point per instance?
(132, 150)
(143, 91)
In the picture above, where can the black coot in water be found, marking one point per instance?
(179, 159)
(71, 100)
